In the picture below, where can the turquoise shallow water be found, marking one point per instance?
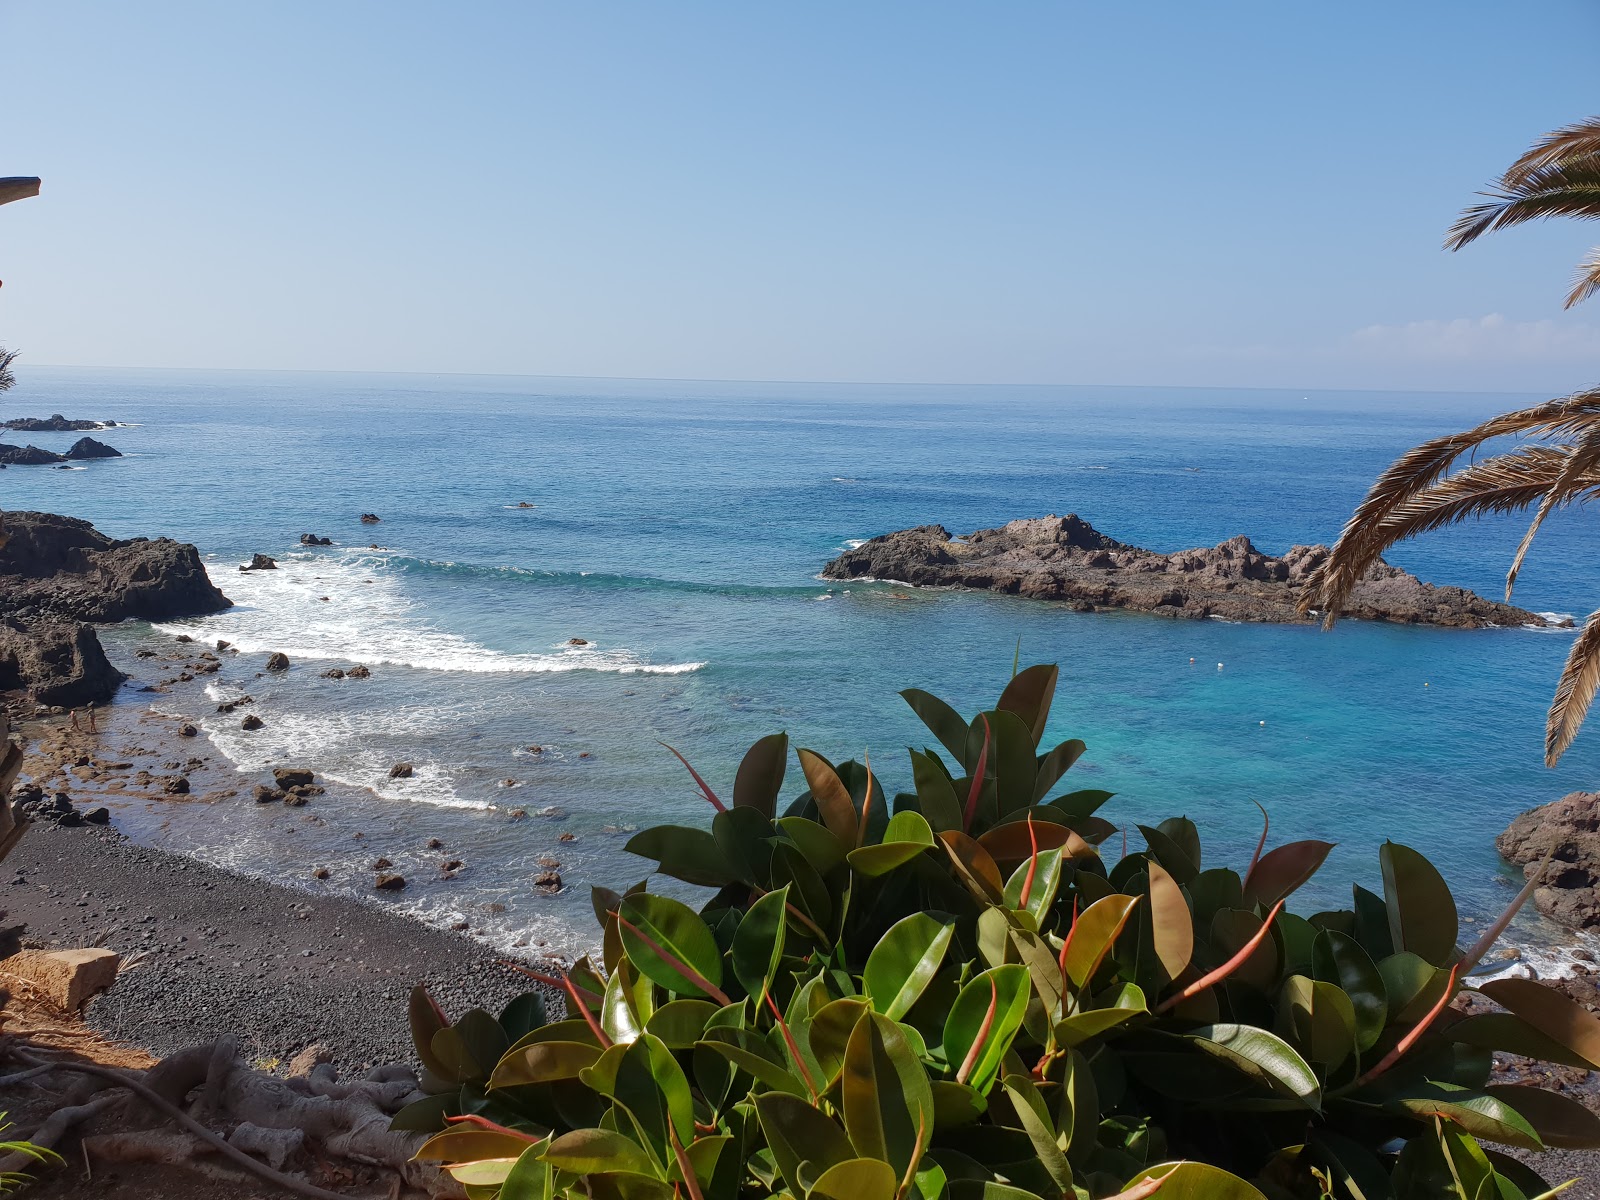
(679, 527)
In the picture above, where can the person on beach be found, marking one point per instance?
(93, 728)
(76, 728)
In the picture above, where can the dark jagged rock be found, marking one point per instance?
(61, 661)
(89, 448)
(61, 566)
(55, 423)
(28, 456)
(1570, 892)
(1067, 559)
(311, 539)
(277, 661)
(370, 518)
(260, 562)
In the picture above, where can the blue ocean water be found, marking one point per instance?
(679, 527)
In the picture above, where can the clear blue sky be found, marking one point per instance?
(1234, 194)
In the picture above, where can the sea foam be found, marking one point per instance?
(350, 606)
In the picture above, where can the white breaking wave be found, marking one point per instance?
(854, 543)
(351, 608)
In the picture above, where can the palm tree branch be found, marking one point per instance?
(1588, 281)
(1579, 679)
(1580, 460)
(1364, 538)
(1569, 142)
(1563, 190)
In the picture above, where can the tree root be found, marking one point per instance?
(275, 1122)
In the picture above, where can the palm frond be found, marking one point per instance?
(1564, 144)
(1560, 189)
(1364, 537)
(1504, 484)
(1580, 461)
(7, 357)
(1579, 679)
(1588, 281)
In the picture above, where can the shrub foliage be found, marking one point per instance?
(965, 991)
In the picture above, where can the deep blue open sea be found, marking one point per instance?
(679, 527)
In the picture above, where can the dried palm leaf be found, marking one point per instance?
(1569, 142)
(1581, 460)
(1587, 282)
(1561, 189)
(1504, 484)
(1579, 679)
(1364, 537)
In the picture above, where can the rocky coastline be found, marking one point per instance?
(1065, 559)
(59, 576)
(55, 423)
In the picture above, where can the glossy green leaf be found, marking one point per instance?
(1040, 878)
(1411, 984)
(903, 962)
(856, 1179)
(752, 1055)
(1351, 1166)
(1281, 871)
(1171, 923)
(936, 794)
(1509, 1033)
(1553, 1014)
(1263, 1056)
(653, 1088)
(543, 1062)
(1030, 1108)
(744, 835)
(523, 1015)
(466, 1143)
(1478, 1113)
(1196, 1181)
(1054, 765)
(888, 1107)
(907, 836)
(1422, 912)
(799, 1133)
(427, 1019)
(760, 776)
(667, 940)
(691, 855)
(1231, 931)
(758, 945)
(1338, 958)
(1560, 1121)
(628, 1003)
(588, 1150)
(1129, 1002)
(1319, 1018)
(681, 1023)
(1029, 695)
(1082, 803)
(982, 1023)
(427, 1115)
(1095, 932)
(832, 798)
(531, 1177)
(1164, 850)
(944, 722)
(830, 1032)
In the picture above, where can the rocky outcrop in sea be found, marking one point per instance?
(58, 574)
(28, 456)
(88, 447)
(1570, 827)
(1066, 559)
(55, 423)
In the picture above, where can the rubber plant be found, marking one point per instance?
(961, 993)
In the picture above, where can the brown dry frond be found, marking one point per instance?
(1569, 142)
(1587, 282)
(1506, 483)
(1563, 189)
(1365, 536)
(1580, 461)
(1579, 679)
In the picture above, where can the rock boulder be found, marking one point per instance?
(1570, 826)
(1067, 559)
(60, 660)
(89, 448)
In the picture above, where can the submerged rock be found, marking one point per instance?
(1570, 826)
(1067, 559)
(251, 721)
(370, 518)
(277, 661)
